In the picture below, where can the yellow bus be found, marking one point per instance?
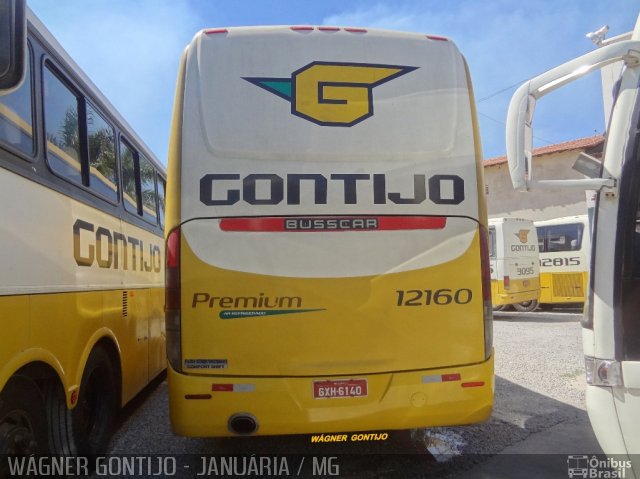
(327, 259)
(515, 273)
(565, 249)
(81, 282)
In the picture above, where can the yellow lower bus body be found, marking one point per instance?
(60, 330)
(401, 400)
(520, 290)
(559, 288)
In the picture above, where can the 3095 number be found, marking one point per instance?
(428, 297)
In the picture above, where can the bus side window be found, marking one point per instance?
(139, 183)
(16, 115)
(102, 155)
(542, 244)
(62, 129)
(129, 183)
(148, 189)
(162, 187)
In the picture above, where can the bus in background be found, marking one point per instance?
(611, 325)
(513, 251)
(327, 259)
(81, 283)
(565, 249)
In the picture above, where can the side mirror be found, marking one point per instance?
(13, 43)
(520, 115)
(588, 165)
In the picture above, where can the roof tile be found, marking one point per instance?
(580, 143)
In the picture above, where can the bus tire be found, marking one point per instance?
(23, 421)
(526, 306)
(86, 429)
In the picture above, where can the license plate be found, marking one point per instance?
(340, 388)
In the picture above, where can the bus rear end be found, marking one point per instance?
(515, 272)
(327, 265)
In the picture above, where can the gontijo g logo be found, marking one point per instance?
(332, 93)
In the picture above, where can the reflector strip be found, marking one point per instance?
(235, 388)
(316, 224)
(441, 378)
(472, 384)
(355, 30)
(222, 387)
(437, 37)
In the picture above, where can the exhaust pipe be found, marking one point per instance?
(242, 424)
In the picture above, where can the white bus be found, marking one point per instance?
(565, 254)
(327, 265)
(515, 274)
(82, 275)
(611, 325)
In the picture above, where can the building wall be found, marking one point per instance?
(503, 200)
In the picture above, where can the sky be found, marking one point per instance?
(131, 49)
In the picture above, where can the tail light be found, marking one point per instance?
(507, 282)
(603, 372)
(487, 307)
(172, 300)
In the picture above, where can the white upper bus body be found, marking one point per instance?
(610, 324)
(376, 167)
(31, 228)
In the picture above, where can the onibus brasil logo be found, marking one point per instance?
(332, 93)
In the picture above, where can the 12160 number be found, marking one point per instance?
(427, 297)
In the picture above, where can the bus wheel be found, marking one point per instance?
(23, 422)
(86, 429)
(526, 306)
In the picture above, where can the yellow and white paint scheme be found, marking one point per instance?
(79, 273)
(326, 271)
(66, 285)
(565, 249)
(513, 251)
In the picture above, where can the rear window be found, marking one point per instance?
(381, 96)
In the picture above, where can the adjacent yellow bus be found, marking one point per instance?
(81, 282)
(327, 260)
(515, 274)
(565, 249)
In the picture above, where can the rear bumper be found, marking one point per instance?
(286, 405)
(521, 290)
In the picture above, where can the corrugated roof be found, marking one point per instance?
(579, 144)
